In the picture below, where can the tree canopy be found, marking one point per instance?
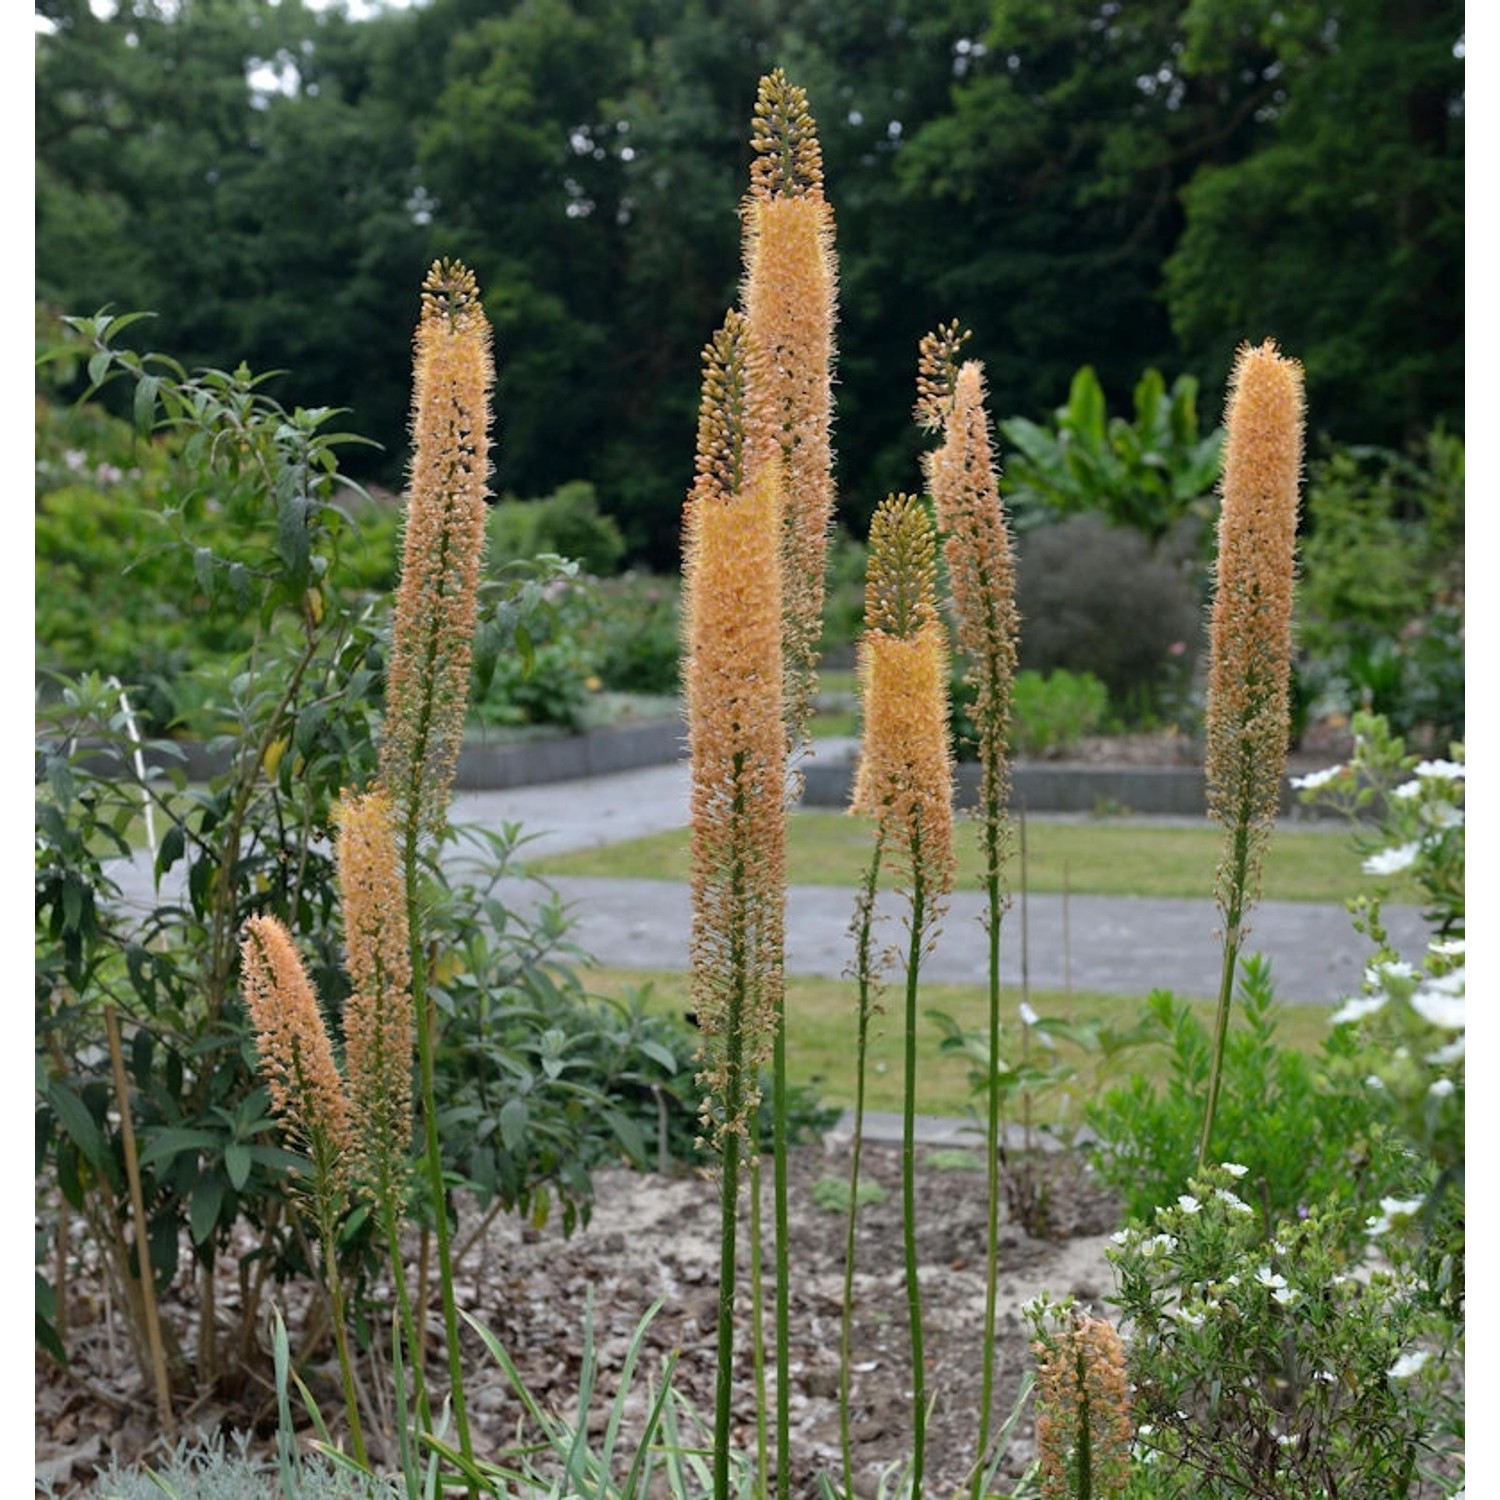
(1125, 184)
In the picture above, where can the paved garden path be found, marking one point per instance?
(1115, 945)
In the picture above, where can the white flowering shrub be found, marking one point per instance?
(1409, 814)
(1407, 1024)
(1275, 1368)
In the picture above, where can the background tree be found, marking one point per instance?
(1083, 182)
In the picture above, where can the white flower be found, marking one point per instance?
(1394, 968)
(1374, 1081)
(1392, 1210)
(1407, 790)
(1440, 770)
(1238, 1205)
(1286, 1295)
(1122, 1236)
(1192, 1320)
(1392, 861)
(1448, 948)
(1326, 1376)
(1444, 815)
(1316, 778)
(1269, 1278)
(1440, 1009)
(1187, 1203)
(1234, 1168)
(1356, 1008)
(1408, 1364)
(1452, 1053)
(1440, 1088)
(1028, 1016)
(1158, 1242)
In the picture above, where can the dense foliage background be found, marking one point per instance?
(1079, 181)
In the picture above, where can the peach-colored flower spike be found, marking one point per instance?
(296, 1056)
(378, 1013)
(962, 478)
(905, 777)
(1082, 1384)
(1248, 711)
(427, 681)
(736, 736)
(789, 296)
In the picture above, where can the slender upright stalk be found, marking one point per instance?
(427, 681)
(737, 747)
(378, 1032)
(1248, 717)
(307, 1094)
(1083, 1426)
(790, 277)
(758, 1321)
(867, 980)
(962, 475)
(906, 779)
(909, 1173)
(164, 1411)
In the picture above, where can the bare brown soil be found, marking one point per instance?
(655, 1237)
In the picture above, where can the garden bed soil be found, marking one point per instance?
(656, 1237)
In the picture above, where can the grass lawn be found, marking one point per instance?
(1312, 863)
(820, 1035)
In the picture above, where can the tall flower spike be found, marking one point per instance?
(1248, 712)
(296, 1056)
(905, 777)
(736, 735)
(378, 1013)
(962, 478)
(937, 374)
(427, 681)
(789, 296)
(1083, 1428)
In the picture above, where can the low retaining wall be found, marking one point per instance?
(599, 752)
(1159, 791)
(1153, 791)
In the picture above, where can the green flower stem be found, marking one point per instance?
(758, 1322)
(783, 1274)
(1239, 872)
(729, 1190)
(992, 1189)
(329, 1237)
(433, 1158)
(865, 977)
(731, 1141)
(1084, 1479)
(909, 1173)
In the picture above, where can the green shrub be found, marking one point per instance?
(1307, 1131)
(540, 1083)
(636, 634)
(1150, 474)
(174, 549)
(1054, 711)
(843, 597)
(1260, 1366)
(1100, 599)
(567, 522)
(1380, 599)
